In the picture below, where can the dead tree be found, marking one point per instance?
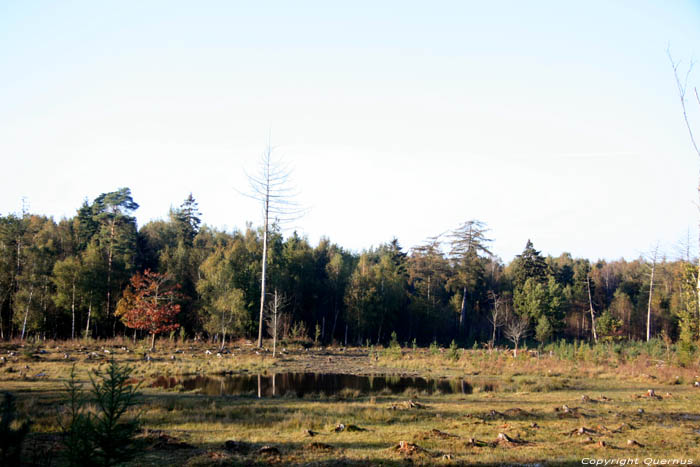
(275, 321)
(270, 186)
(497, 315)
(517, 328)
(653, 258)
(590, 304)
(682, 90)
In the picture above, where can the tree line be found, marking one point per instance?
(78, 277)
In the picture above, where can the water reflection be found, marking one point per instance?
(300, 384)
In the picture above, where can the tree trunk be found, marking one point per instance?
(264, 270)
(274, 334)
(72, 309)
(590, 304)
(87, 327)
(651, 290)
(463, 311)
(335, 317)
(153, 342)
(26, 312)
(109, 275)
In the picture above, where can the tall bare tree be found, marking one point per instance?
(270, 186)
(590, 305)
(682, 86)
(653, 257)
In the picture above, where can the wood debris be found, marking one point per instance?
(504, 439)
(342, 427)
(476, 443)
(633, 443)
(316, 446)
(516, 412)
(408, 449)
(409, 404)
(568, 412)
(435, 433)
(269, 451)
(581, 431)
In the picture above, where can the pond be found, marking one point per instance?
(301, 384)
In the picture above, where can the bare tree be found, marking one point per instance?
(652, 259)
(682, 86)
(271, 187)
(518, 327)
(275, 320)
(497, 316)
(590, 305)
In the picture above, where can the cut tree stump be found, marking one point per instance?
(408, 449)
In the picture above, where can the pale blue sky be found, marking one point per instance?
(556, 121)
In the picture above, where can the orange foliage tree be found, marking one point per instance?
(149, 304)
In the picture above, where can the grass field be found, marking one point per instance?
(534, 409)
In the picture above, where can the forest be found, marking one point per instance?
(76, 278)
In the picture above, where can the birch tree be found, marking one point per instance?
(682, 86)
(270, 186)
(653, 257)
(275, 320)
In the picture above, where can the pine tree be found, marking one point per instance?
(529, 264)
(187, 219)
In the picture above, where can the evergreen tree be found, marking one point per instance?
(469, 242)
(529, 264)
(187, 219)
(117, 237)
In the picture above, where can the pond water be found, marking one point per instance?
(300, 384)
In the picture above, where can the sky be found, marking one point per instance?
(553, 121)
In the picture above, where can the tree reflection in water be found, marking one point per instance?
(301, 384)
